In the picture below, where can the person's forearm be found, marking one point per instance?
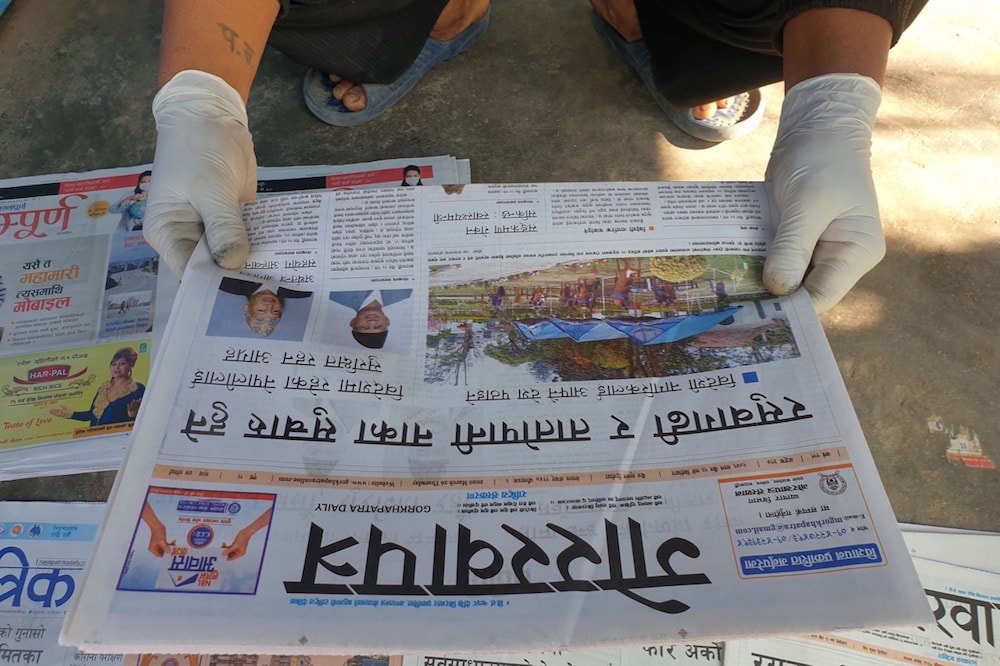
(835, 41)
(222, 37)
(150, 518)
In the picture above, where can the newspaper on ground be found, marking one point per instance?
(691, 654)
(80, 289)
(961, 580)
(964, 548)
(43, 549)
(44, 546)
(649, 655)
(494, 418)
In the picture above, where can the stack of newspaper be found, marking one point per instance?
(78, 283)
(44, 547)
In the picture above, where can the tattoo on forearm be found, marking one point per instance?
(237, 45)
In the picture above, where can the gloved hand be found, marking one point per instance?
(830, 232)
(203, 168)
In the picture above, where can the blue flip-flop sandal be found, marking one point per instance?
(742, 115)
(318, 88)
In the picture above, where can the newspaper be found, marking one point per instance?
(488, 419)
(650, 655)
(43, 549)
(691, 654)
(963, 592)
(44, 546)
(78, 283)
(964, 548)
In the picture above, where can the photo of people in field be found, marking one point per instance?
(602, 319)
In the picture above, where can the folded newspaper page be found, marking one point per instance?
(81, 291)
(963, 593)
(493, 418)
(45, 545)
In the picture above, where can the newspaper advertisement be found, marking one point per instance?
(961, 579)
(514, 411)
(82, 291)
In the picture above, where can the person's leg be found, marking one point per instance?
(456, 18)
(692, 68)
(705, 110)
(387, 52)
(699, 52)
(361, 41)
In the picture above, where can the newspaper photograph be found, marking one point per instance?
(513, 411)
(81, 290)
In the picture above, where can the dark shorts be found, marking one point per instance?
(365, 41)
(701, 50)
(705, 51)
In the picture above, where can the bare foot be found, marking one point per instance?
(454, 19)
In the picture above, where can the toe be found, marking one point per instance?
(351, 95)
(341, 89)
(704, 111)
(355, 99)
(725, 103)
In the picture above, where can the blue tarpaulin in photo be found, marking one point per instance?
(644, 331)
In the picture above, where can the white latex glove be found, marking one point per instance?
(203, 168)
(830, 232)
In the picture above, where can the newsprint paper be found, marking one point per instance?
(493, 418)
(80, 290)
(959, 572)
(45, 545)
(43, 549)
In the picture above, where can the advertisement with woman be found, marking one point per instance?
(73, 393)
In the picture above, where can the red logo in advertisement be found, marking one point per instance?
(31, 219)
(48, 373)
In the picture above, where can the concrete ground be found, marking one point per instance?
(540, 99)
